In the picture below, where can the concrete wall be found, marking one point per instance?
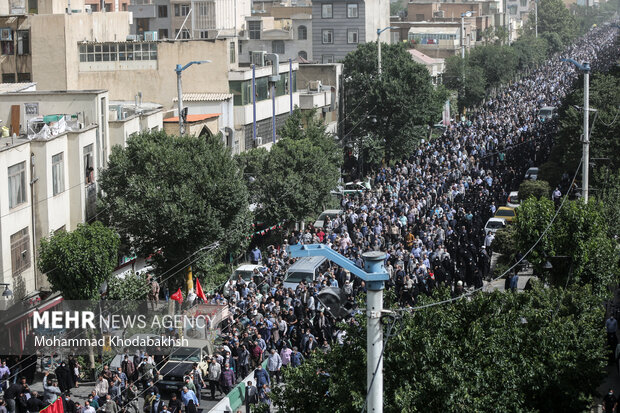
(377, 17)
(55, 41)
(14, 220)
(292, 44)
(160, 85)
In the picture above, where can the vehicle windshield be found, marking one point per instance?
(514, 199)
(296, 277)
(494, 225)
(246, 275)
(546, 112)
(505, 213)
(532, 171)
(325, 215)
(186, 354)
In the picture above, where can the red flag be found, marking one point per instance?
(55, 407)
(178, 296)
(199, 292)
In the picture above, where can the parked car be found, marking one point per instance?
(331, 213)
(532, 173)
(348, 188)
(494, 224)
(506, 213)
(245, 271)
(513, 200)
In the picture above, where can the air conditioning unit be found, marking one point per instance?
(314, 85)
(259, 141)
(6, 34)
(258, 58)
(150, 36)
(438, 14)
(88, 9)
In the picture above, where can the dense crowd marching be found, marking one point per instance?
(426, 212)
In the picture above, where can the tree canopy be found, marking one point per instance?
(294, 179)
(170, 196)
(541, 350)
(579, 238)
(553, 17)
(537, 189)
(389, 109)
(78, 262)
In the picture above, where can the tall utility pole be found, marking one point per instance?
(585, 69)
(379, 31)
(179, 70)
(374, 275)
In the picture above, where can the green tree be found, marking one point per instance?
(131, 287)
(541, 350)
(299, 172)
(553, 17)
(579, 234)
(175, 195)
(499, 63)
(474, 89)
(530, 52)
(78, 262)
(388, 108)
(537, 189)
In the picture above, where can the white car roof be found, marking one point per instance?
(247, 267)
(493, 219)
(513, 193)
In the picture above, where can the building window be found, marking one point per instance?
(204, 34)
(24, 77)
(112, 52)
(162, 11)
(302, 33)
(17, 184)
(303, 55)
(8, 78)
(523, 3)
(184, 34)
(108, 7)
(6, 41)
(181, 9)
(23, 42)
(89, 164)
(328, 36)
(233, 52)
(124, 6)
(352, 12)
(254, 29)
(277, 46)
(352, 36)
(328, 58)
(58, 174)
(20, 251)
(163, 33)
(326, 11)
(240, 48)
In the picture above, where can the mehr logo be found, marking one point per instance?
(64, 319)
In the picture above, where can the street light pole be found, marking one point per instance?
(585, 69)
(536, 17)
(379, 31)
(179, 70)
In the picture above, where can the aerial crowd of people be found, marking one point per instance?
(427, 213)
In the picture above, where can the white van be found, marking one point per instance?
(547, 112)
(306, 269)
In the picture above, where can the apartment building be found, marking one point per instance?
(106, 5)
(52, 168)
(338, 26)
(290, 38)
(254, 112)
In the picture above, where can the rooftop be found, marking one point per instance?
(204, 97)
(193, 118)
(420, 57)
(16, 87)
